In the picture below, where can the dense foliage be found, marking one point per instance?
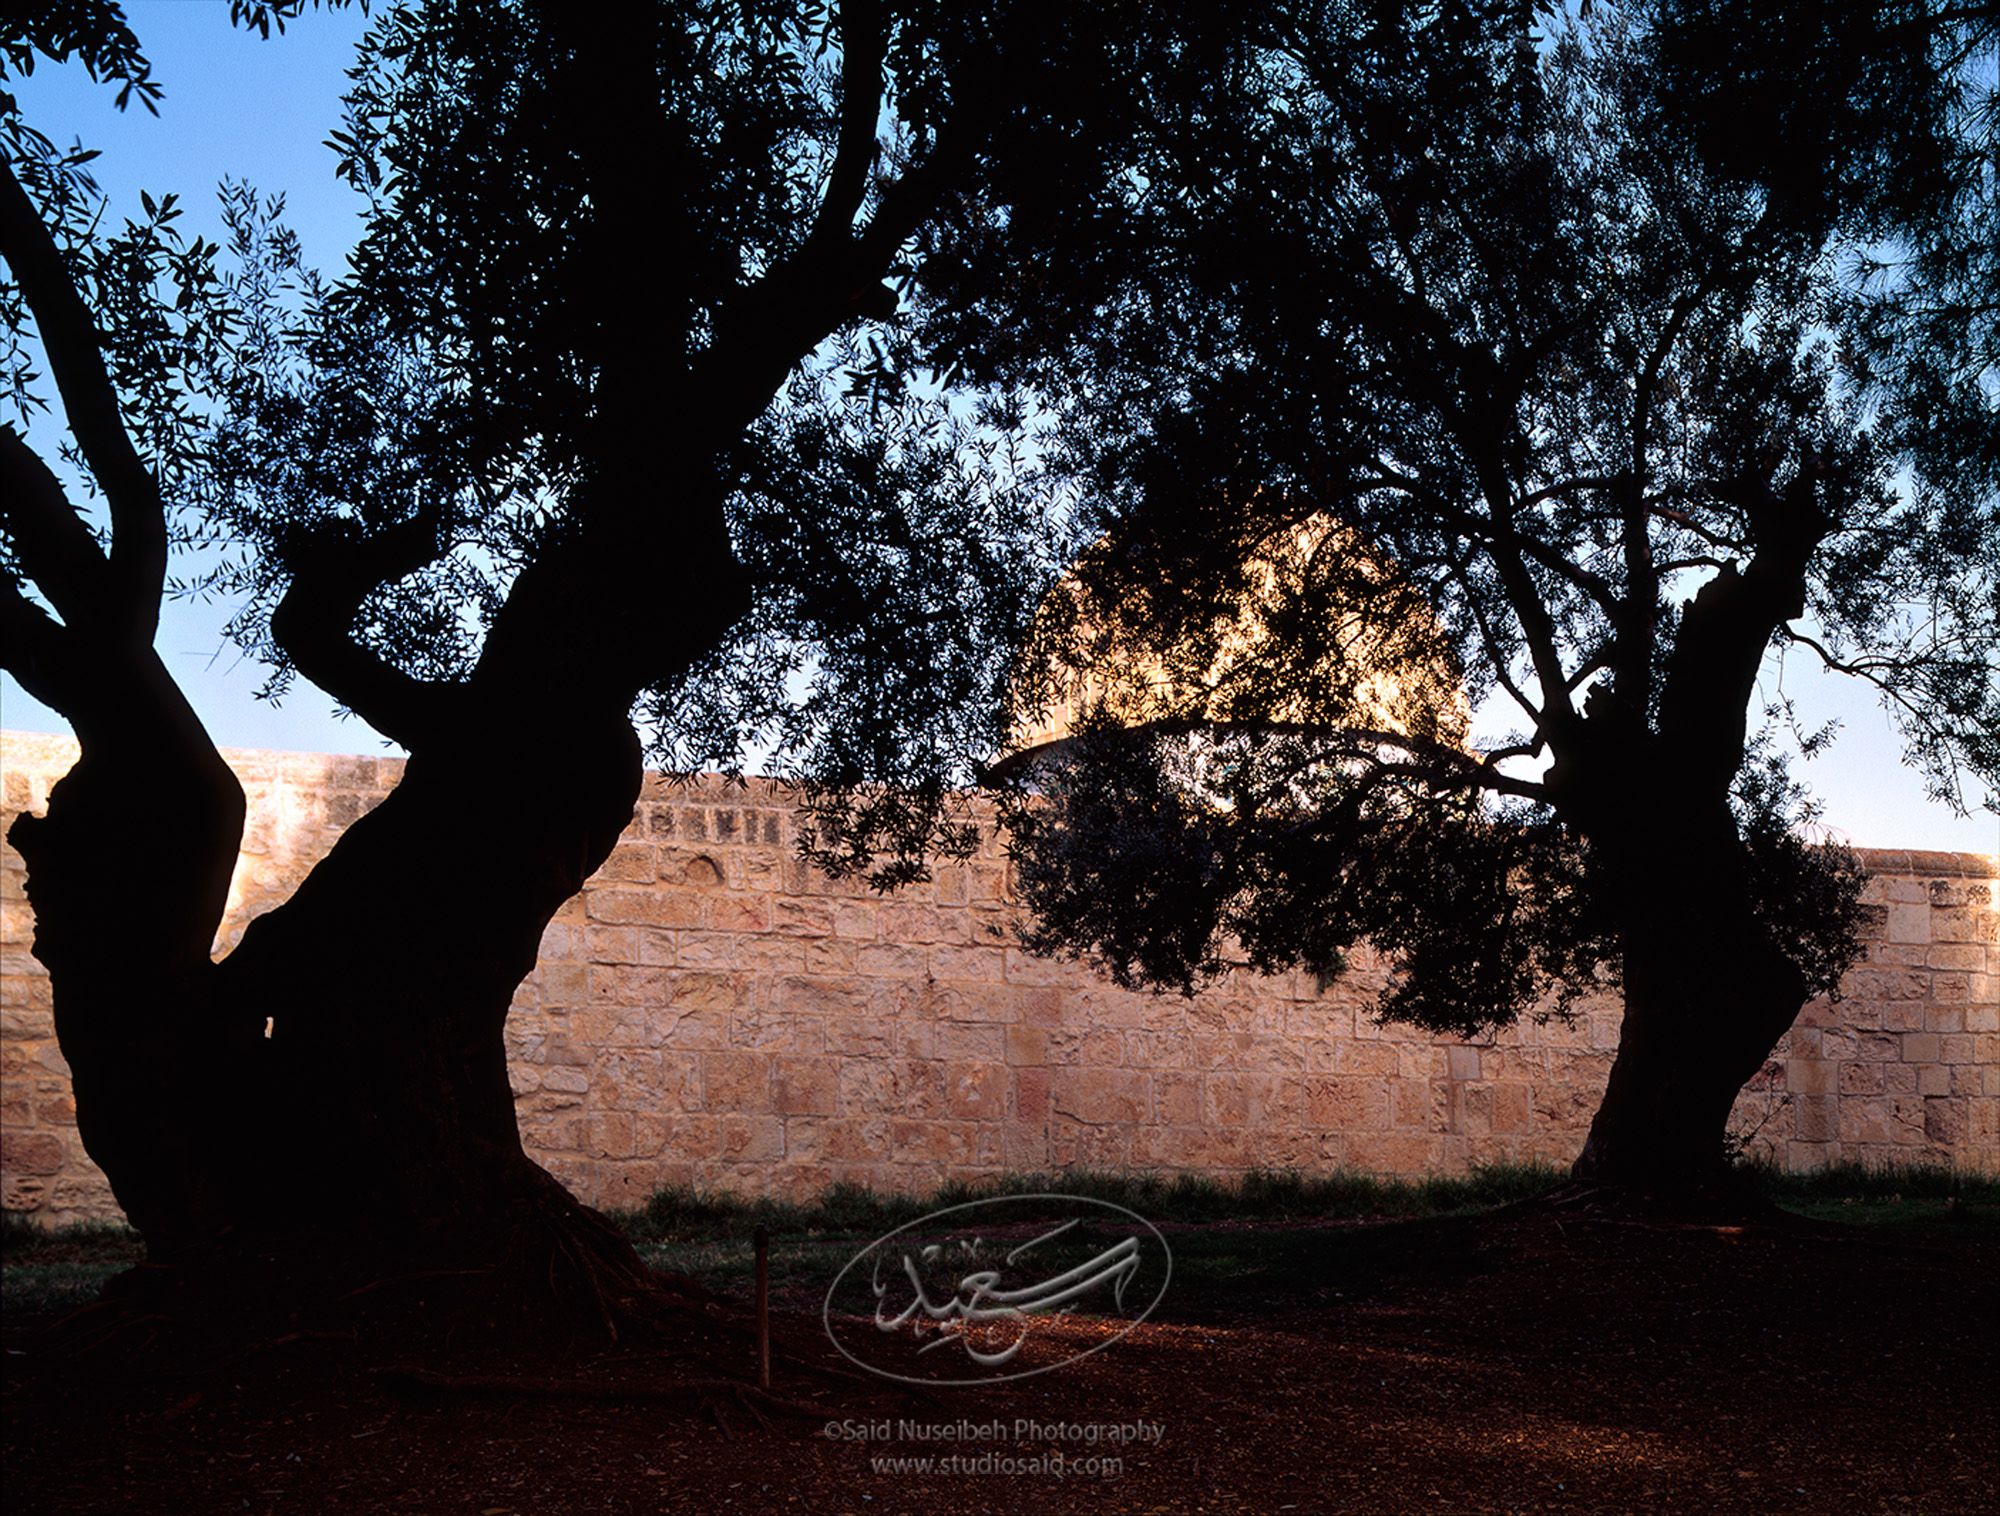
(1558, 315)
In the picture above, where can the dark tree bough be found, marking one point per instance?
(1532, 306)
(568, 442)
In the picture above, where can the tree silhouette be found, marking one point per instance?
(593, 427)
(1548, 317)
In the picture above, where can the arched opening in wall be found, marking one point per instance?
(701, 872)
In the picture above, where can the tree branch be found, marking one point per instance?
(70, 338)
(314, 621)
(1725, 629)
(1864, 669)
(39, 652)
(1494, 534)
(1445, 767)
(54, 546)
(1496, 654)
(1568, 486)
(863, 41)
(833, 278)
(1480, 530)
(1633, 659)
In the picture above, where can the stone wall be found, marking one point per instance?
(711, 1011)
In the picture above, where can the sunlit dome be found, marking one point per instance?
(1326, 636)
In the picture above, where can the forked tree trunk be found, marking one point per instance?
(329, 1107)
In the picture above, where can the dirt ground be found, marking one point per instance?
(1517, 1361)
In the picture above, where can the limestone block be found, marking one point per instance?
(1062, 1046)
(660, 906)
(564, 984)
(933, 1141)
(1860, 1078)
(626, 1079)
(1391, 1152)
(1166, 1048)
(1888, 1120)
(857, 919)
(1243, 1100)
(31, 1152)
(736, 1081)
(1416, 1103)
(1945, 1018)
(630, 984)
(849, 1139)
(977, 1091)
(1946, 1120)
(1222, 1050)
(744, 914)
(1101, 1096)
(776, 1031)
(1510, 1107)
(805, 1086)
(631, 861)
(1839, 1045)
(917, 1089)
(1910, 921)
(1031, 1095)
(1966, 925)
(1879, 1047)
(1082, 1145)
(812, 995)
(1340, 1103)
(829, 956)
(979, 964)
(1375, 1058)
(751, 1138)
(1898, 954)
(1920, 1047)
(1886, 984)
(609, 1135)
(890, 960)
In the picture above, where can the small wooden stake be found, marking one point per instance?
(762, 1238)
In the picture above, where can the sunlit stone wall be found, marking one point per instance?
(711, 1011)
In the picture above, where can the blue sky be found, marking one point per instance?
(261, 111)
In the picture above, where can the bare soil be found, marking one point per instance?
(1522, 1360)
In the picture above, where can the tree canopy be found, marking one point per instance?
(688, 368)
(1559, 315)
(552, 385)
(596, 426)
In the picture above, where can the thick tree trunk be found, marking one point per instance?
(387, 977)
(329, 1107)
(128, 873)
(1708, 993)
(382, 1140)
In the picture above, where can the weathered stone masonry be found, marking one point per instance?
(711, 1011)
